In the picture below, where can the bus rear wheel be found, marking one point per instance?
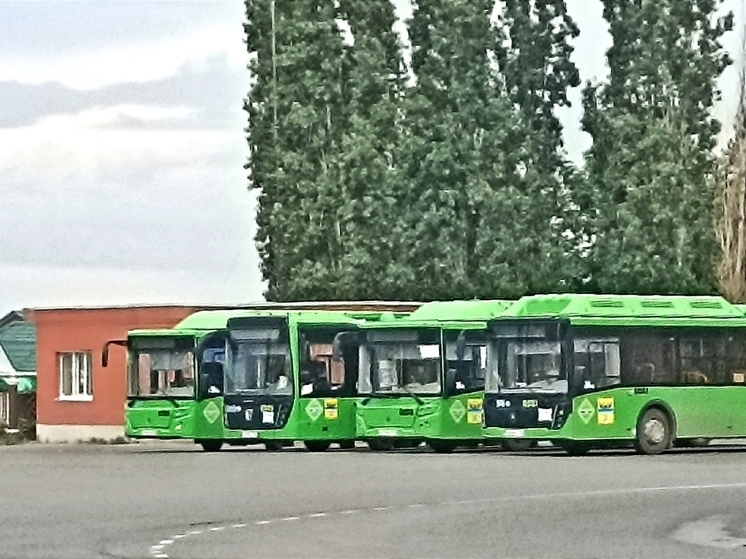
(316, 446)
(347, 445)
(654, 432)
(517, 445)
(211, 445)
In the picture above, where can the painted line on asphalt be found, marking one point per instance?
(157, 551)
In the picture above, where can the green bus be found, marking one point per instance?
(168, 399)
(161, 371)
(587, 371)
(421, 378)
(288, 376)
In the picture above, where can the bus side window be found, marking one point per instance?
(648, 358)
(597, 362)
(703, 359)
(736, 359)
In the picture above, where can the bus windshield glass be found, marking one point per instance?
(258, 362)
(400, 363)
(526, 362)
(466, 366)
(161, 367)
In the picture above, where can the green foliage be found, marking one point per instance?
(648, 199)
(296, 121)
(448, 179)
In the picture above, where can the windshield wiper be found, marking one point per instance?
(417, 399)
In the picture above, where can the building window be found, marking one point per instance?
(4, 409)
(75, 376)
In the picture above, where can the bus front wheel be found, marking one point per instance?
(273, 445)
(211, 445)
(518, 445)
(654, 432)
(316, 446)
(574, 448)
(347, 445)
(378, 445)
(441, 446)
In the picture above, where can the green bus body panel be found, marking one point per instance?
(629, 310)
(159, 418)
(455, 418)
(460, 310)
(697, 411)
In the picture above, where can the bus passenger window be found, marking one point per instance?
(597, 362)
(703, 360)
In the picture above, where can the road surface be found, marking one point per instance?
(159, 500)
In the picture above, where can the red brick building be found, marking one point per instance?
(77, 399)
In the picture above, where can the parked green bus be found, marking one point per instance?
(287, 376)
(586, 371)
(161, 372)
(167, 399)
(421, 378)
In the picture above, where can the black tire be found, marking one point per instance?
(273, 445)
(517, 445)
(441, 446)
(407, 443)
(379, 445)
(211, 445)
(347, 445)
(316, 446)
(574, 448)
(654, 432)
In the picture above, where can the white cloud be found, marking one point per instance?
(131, 63)
(80, 146)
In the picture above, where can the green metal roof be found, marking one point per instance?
(461, 310)
(18, 340)
(649, 309)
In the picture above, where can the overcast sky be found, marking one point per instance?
(122, 150)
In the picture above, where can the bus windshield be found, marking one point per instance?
(526, 365)
(256, 365)
(161, 367)
(403, 366)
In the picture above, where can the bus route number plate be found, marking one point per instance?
(515, 433)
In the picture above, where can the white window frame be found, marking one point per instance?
(79, 361)
(5, 408)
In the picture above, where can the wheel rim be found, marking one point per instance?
(654, 431)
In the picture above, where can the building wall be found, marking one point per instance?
(87, 330)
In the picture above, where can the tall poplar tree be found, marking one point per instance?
(297, 117)
(533, 51)
(459, 156)
(367, 244)
(651, 167)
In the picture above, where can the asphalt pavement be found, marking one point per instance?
(171, 500)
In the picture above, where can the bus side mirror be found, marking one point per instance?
(105, 351)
